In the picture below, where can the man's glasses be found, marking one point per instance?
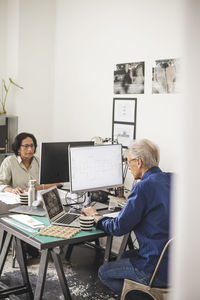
(26, 146)
(129, 162)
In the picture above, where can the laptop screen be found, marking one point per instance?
(52, 202)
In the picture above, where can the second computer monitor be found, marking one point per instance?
(54, 166)
(95, 168)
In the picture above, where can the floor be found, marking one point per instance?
(81, 274)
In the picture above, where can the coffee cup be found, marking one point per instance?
(86, 222)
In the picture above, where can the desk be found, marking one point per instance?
(48, 246)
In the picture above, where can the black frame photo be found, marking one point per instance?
(124, 120)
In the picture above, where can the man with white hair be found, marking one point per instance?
(147, 214)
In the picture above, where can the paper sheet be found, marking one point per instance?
(9, 198)
(27, 220)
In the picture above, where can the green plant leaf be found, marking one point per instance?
(14, 83)
(4, 85)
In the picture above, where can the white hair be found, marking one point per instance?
(147, 151)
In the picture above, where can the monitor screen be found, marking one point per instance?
(95, 168)
(54, 166)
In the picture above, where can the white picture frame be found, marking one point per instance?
(124, 110)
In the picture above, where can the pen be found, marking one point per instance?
(93, 203)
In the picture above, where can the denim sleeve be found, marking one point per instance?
(128, 217)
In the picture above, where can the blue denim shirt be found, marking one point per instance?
(147, 214)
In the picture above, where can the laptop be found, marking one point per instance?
(55, 211)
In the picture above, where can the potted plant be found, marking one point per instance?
(4, 93)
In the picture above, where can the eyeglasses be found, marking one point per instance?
(26, 146)
(129, 162)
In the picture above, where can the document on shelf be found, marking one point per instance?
(27, 220)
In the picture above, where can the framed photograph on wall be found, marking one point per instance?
(123, 133)
(124, 120)
(129, 78)
(166, 76)
(124, 110)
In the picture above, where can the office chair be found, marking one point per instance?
(156, 293)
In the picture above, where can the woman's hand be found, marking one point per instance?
(59, 185)
(16, 190)
(48, 185)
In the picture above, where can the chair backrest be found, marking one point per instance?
(159, 261)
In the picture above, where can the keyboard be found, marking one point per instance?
(67, 219)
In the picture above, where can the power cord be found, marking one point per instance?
(74, 201)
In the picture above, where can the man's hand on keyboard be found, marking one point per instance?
(91, 212)
(88, 211)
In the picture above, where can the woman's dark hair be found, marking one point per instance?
(18, 140)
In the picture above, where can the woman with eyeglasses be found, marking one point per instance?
(16, 170)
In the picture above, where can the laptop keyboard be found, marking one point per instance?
(67, 219)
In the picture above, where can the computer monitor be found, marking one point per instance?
(54, 166)
(95, 168)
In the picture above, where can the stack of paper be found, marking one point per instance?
(9, 198)
(27, 220)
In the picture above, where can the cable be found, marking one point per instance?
(75, 202)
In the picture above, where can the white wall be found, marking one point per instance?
(186, 262)
(66, 56)
(3, 39)
(27, 55)
(93, 36)
(36, 66)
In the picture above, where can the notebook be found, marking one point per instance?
(55, 211)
